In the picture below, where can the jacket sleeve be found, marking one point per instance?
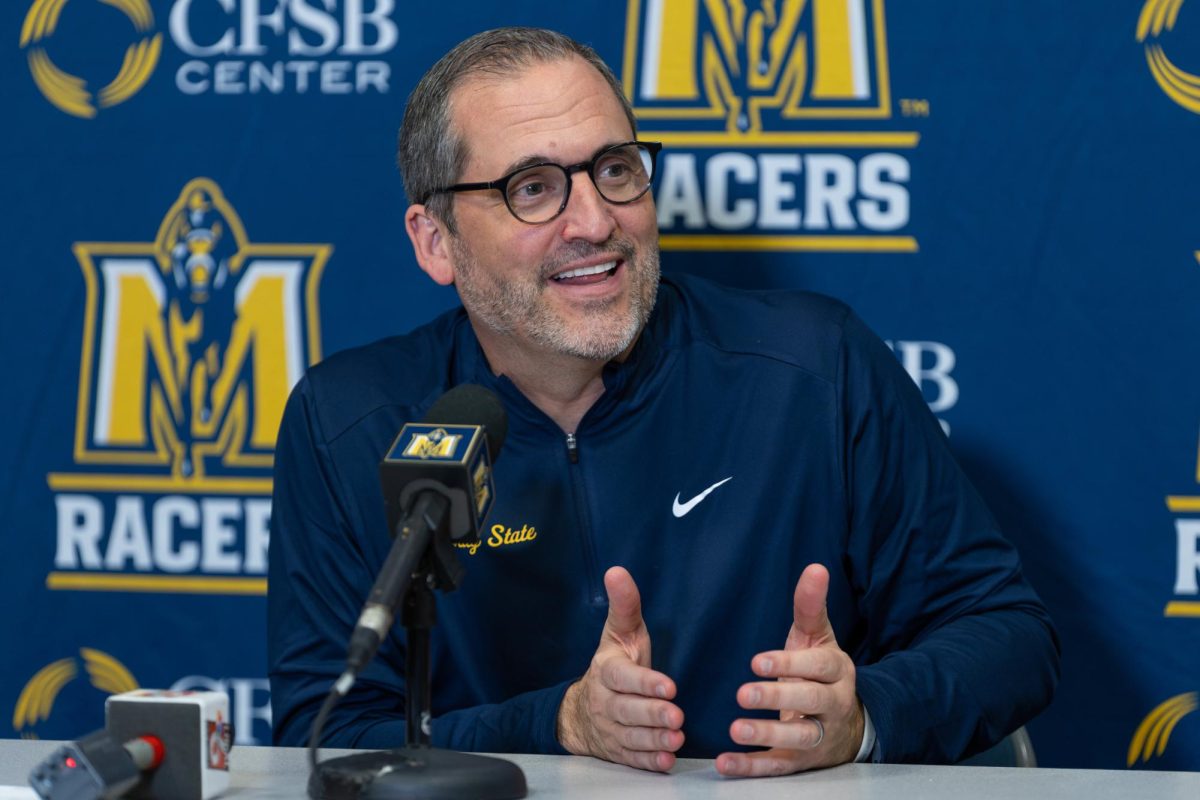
(958, 649)
(319, 575)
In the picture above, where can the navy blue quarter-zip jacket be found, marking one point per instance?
(748, 435)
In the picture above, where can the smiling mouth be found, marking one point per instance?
(587, 275)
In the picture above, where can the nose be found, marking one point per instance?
(588, 216)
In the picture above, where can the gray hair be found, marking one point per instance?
(431, 153)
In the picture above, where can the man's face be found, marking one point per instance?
(582, 284)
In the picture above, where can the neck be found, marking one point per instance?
(562, 386)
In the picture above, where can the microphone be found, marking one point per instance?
(97, 766)
(154, 744)
(437, 485)
(437, 476)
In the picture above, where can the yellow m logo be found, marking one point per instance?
(751, 67)
(193, 342)
(435, 444)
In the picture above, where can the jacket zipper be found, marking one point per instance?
(596, 594)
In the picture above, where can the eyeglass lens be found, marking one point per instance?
(621, 175)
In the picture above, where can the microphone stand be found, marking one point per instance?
(418, 616)
(419, 770)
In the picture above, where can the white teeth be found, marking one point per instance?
(579, 273)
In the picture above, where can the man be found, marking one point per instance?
(819, 581)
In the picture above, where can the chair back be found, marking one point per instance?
(1014, 750)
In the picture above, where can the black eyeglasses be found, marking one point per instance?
(539, 193)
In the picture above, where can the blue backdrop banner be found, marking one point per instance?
(202, 202)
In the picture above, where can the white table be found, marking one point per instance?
(280, 772)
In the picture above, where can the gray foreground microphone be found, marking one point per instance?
(96, 767)
(155, 744)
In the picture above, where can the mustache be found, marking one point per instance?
(577, 251)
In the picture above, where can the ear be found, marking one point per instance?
(430, 244)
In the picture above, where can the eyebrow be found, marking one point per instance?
(526, 161)
(534, 160)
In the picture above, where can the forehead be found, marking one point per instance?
(560, 110)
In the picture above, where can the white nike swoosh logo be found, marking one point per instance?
(679, 509)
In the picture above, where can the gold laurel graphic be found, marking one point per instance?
(37, 698)
(63, 90)
(41, 20)
(67, 92)
(1150, 739)
(139, 64)
(1182, 87)
(107, 673)
(1157, 15)
(138, 11)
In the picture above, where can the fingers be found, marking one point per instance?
(760, 764)
(624, 602)
(622, 675)
(621, 710)
(650, 739)
(657, 761)
(642, 747)
(800, 697)
(638, 732)
(633, 710)
(823, 665)
(812, 686)
(803, 733)
(810, 625)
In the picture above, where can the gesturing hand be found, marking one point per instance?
(620, 710)
(820, 718)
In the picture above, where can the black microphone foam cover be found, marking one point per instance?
(471, 404)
